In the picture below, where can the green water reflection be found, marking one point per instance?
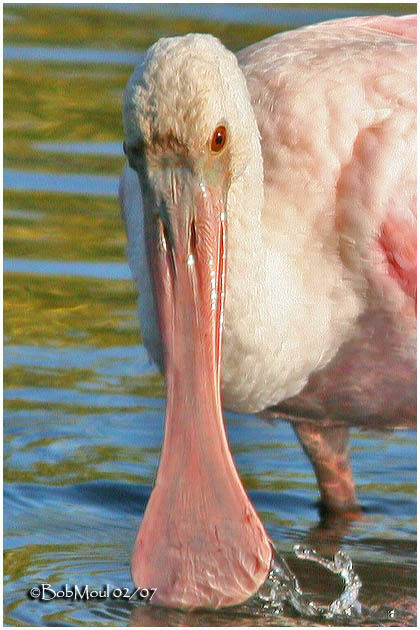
(52, 224)
(64, 311)
(92, 28)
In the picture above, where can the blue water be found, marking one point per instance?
(70, 55)
(107, 271)
(254, 14)
(85, 148)
(80, 184)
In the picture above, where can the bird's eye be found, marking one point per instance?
(218, 140)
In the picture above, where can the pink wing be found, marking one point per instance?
(398, 240)
(397, 232)
(404, 26)
(336, 108)
(398, 236)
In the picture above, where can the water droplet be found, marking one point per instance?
(282, 587)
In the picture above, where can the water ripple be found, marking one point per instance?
(108, 270)
(57, 182)
(70, 55)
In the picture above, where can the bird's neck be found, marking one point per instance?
(244, 212)
(246, 197)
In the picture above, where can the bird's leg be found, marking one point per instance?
(328, 450)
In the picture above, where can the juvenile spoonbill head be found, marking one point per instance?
(189, 131)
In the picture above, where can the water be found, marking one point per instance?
(83, 405)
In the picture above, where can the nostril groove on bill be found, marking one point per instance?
(193, 237)
(164, 243)
(162, 235)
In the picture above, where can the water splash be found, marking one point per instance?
(282, 587)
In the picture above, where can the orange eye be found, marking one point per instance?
(219, 139)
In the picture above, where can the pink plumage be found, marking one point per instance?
(298, 242)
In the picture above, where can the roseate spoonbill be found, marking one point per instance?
(283, 177)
